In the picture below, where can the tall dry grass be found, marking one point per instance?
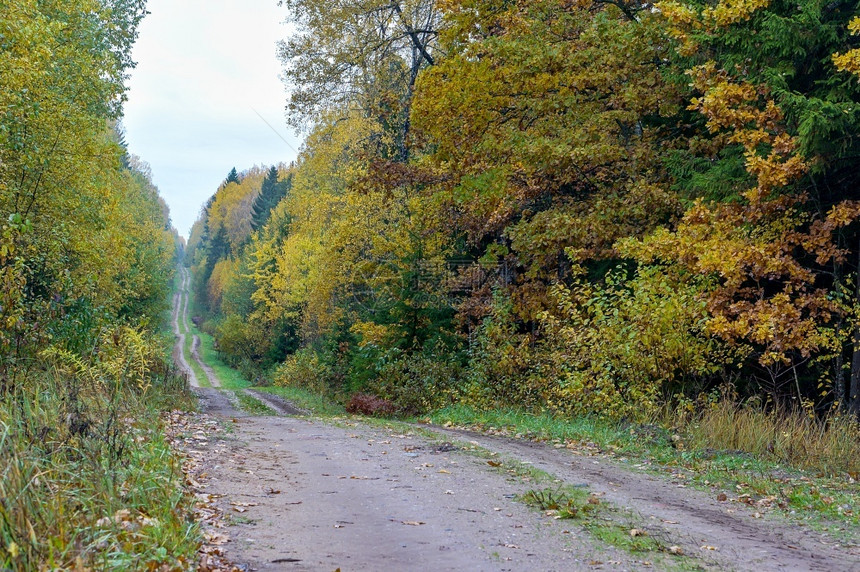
(828, 446)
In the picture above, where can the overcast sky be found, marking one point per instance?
(203, 68)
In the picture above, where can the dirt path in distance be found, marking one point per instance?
(180, 310)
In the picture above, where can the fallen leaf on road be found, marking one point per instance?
(413, 522)
(638, 532)
(443, 471)
(213, 537)
(722, 497)
(676, 550)
(494, 463)
(706, 547)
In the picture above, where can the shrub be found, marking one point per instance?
(417, 382)
(304, 369)
(367, 404)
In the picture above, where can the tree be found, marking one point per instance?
(272, 192)
(232, 177)
(549, 150)
(358, 54)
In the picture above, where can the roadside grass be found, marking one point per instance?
(108, 498)
(198, 371)
(694, 455)
(317, 404)
(794, 438)
(229, 377)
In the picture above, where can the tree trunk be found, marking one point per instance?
(853, 401)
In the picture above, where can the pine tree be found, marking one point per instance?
(271, 193)
(232, 177)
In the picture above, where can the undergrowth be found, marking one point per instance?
(88, 480)
(830, 447)
(229, 377)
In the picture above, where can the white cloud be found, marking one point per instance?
(203, 67)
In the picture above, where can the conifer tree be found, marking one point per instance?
(232, 177)
(270, 195)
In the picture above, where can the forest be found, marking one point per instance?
(579, 208)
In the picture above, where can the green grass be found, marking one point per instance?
(605, 523)
(318, 405)
(195, 367)
(252, 405)
(228, 377)
(537, 427)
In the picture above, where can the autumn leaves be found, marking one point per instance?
(644, 196)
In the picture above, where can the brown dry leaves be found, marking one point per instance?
(188, 432)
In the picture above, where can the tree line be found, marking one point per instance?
(573, 206)
(87, 256)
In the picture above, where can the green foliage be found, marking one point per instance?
(623, 347)
(272, 192)
(304, 369)
(86, 259)
(417, 382)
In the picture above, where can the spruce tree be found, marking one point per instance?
(271, 193)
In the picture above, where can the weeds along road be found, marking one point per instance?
(302, 493)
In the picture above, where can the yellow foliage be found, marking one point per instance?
(231, 209)
(223, 271)
(850, 60)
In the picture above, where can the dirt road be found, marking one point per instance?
(304, 494)
(180, 325)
